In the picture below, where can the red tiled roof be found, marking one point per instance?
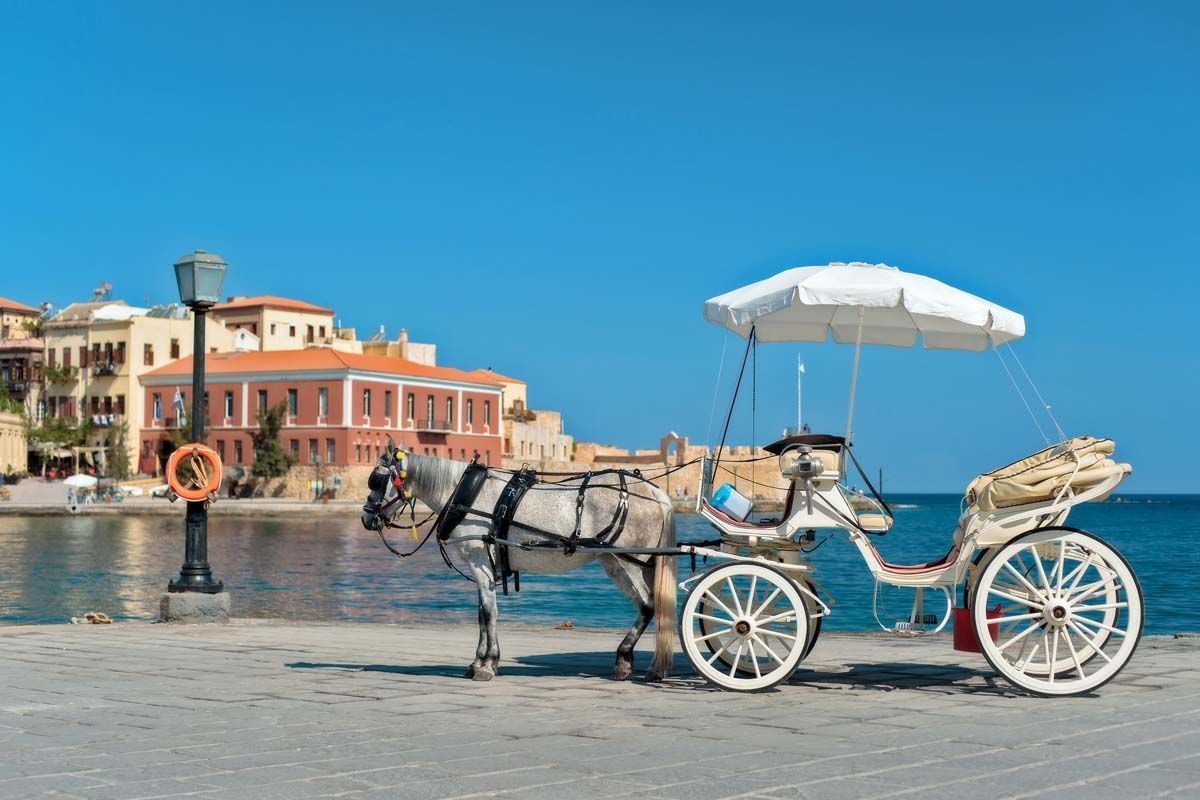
(317, 359)
(270, 301)
(489, 373)
(13, 305)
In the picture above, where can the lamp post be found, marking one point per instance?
(199, 276)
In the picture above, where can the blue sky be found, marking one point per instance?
(554, 190)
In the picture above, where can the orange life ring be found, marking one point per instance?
(203, 468)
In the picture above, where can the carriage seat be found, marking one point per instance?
(1082, 462)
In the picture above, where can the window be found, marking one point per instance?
(310, 335)
(358, 452)
(96, 353)
(387, 405)
(121, 404)
(221, 449)
(50, 357)
(449, 410)
(366, 405)
(470, 412)
(294, 448)
(148, 355)
(52, 407)
(412, 406)
(206, 414)
(293, 402)
(229, 405)
(429, 409)
(322, 402)
(83, 362)
(322, 331)
(66, 356)
(292, 331)
(108, 352)
(272, 328)
(330, 451)
(120, 356)
(487, 413)
(237, 451)
(156, 404)
(313, 455)
(95, 404)
(174, 349)
(262, 399)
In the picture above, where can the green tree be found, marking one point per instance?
(116, 453)
(270, 459)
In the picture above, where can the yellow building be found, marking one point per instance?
(95, 356)
(533, 436)
(377, 344)
(20, 356)
(281, 323)
(14, 455)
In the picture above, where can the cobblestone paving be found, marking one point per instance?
(269, 711)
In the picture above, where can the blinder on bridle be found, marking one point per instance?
(392, 469)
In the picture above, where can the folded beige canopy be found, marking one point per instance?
(1082, 462)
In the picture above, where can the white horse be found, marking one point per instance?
(648, 581)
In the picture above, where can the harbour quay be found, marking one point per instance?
(280, 710)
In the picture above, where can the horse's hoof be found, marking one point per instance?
(622, 670)
(482, 674)
(470, 673)
(652, 676)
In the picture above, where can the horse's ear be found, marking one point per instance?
(391, 446)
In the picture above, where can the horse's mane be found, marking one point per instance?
(435, 477)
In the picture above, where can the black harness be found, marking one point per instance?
(503, 515)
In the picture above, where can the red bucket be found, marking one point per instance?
(964, 632)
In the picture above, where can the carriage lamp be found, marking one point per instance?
(199, 276)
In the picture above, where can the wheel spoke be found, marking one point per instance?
(1074, 655)
(1062, 558)
(778, 634)
(733, 593)
(766, 604)
(750, 594)
(1078, 573)
(1014, 618)
(1018, 637)
(1037, 561)
(720, 652)
(1101, 607)
(711, 618)
(1091, 642)
(1021, 665)
(717, 602)
(733, 667)
(1036, 592)
(777, 617)
(753, 657)
(1052, 656)
(766, 647)
(1092, 588)
(1101, 625)
(708, 636)
(1023, 601)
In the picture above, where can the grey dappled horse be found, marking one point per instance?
(649, 585)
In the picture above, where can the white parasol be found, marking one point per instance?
(80, 481)
(863, 303)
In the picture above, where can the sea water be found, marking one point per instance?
(329, 569)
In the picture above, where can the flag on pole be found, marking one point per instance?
(177, 404)
(801, 367)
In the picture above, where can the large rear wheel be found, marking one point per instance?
(1070, 612)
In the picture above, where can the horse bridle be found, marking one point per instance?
(392, 469)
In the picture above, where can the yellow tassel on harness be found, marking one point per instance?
(414, 533)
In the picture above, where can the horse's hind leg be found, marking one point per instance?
(631, 580)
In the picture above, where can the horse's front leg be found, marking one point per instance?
(487, 655)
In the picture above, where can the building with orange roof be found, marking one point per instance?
(340, 407)
(531, 436)
(282, 323)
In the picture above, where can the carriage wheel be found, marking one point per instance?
(1071, 612)
(716, 643)
(759, 618)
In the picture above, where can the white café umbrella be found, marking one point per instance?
(863, 303)
(80, 481)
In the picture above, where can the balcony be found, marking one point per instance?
(434, 425)
(519, 414)
(101, 370)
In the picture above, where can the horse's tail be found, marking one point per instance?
(664, 601)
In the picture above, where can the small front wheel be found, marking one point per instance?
(758, 617)
(1070, 612)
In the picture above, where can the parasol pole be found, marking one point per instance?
(853, 383)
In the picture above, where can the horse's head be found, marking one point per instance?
(387, 494)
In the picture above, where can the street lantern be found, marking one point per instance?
(199, 276)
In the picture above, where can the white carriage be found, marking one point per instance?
(1054, 610)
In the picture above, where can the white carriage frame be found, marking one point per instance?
(778, 546)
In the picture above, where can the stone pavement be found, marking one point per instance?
(262, 711)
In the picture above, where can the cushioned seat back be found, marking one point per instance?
(1083, 461)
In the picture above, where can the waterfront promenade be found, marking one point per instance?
(265, 710)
